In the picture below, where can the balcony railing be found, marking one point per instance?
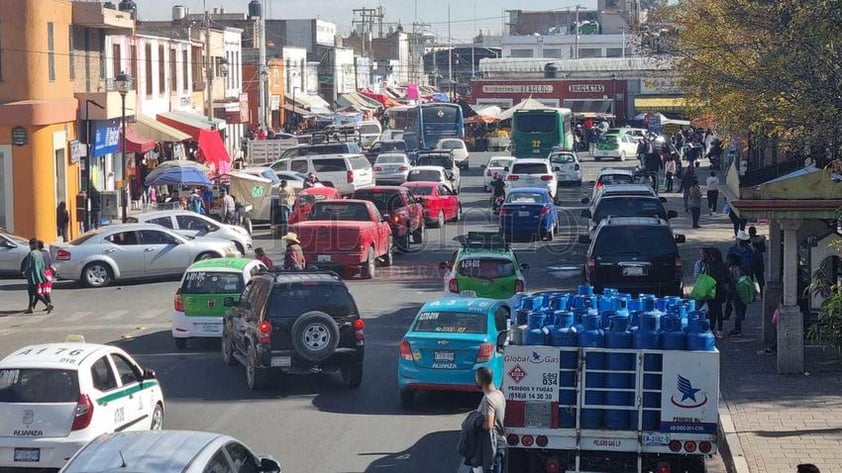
(754, 177)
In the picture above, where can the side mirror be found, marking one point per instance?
(663, 199)
(524, 267)
(149, 374)
(585, 200)
(502, 337)
(6, 244)
(679, 238)
(229, 302)
(269, 465)
(585, 213)
(585, 239)
(672, 214)
(444, 266)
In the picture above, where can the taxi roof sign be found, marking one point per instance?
(74, 338)
(483, 240)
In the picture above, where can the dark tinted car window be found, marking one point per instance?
(451, 322)
(423, 175)
(294, 300)
(386, 201)
(38, 385)
(212, 282)
(629, 207)
(422, 190)
(610, 179)
(536, 122)
(329, 165)
(529, 168)
(355, 211)
(634, 241)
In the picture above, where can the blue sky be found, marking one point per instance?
(488, 13)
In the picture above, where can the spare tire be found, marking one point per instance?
(315, 336)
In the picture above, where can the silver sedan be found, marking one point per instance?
(185, 222)
(13, 250)
(130, 251)
(391, 168)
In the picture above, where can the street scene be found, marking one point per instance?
(599, 238)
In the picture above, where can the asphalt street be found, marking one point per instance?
(311, 424)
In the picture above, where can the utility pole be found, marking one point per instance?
(577, 30)
(449, 55)
(208, 67)
(262, 73)
(417, 49)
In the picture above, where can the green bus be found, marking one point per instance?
(536, 132)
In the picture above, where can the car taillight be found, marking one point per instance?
(486, 351)
(377, 169)
(547, 177)
(453, 286)
(264, 332)
(552, 465)
(63, 255)
(358, 325)
(350, 177)
(178, 304)
(512, 440)
(576, 167)
(599, 185)
(705, 447)
(512, 177)
(545, 211)
(675, 446)
(519, 286)
(406, 351)
(403, 168)
(83, 414)
(396, 218)
(527, 440)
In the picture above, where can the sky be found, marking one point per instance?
(467, 16)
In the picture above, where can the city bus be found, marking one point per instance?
(429, 122)
(536, 132)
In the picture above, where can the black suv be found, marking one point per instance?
(634, 254)
(625, 206)
(295, 322)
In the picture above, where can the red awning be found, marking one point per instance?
(212, 148)
(137, 143)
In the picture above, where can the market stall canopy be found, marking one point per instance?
(190, 123)
(157, 130)
(313, 104)
(381, 99)
(136, 142)
(213, 150)
(358, 102)
(179, 163)
(527, 104)
(488, 110)
(476, 119)
(177, 176)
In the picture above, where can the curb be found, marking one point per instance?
(730, 448)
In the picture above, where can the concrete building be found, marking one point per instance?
(395, 46)
(567, 46)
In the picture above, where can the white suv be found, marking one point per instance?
(57, 397)
(532, 173)
(346, 172)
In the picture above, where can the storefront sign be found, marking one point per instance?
(518, 89)
(659, 85)
(276, 103)
(77, 150)
(106, 137)
(585, 88)
(19, 136)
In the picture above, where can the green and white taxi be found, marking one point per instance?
(485, 266)
(57, 397)
(199, 303)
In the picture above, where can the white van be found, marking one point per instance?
(369, 132)
(346, 172)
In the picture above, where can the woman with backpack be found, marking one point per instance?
(715, 269)
(735, 298)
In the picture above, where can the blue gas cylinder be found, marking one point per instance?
(648, 301)
(605, 318)
(537, 319)
(605, 303)
(521, 316)
(537, 336)
(662, 303)
(563, 333)
(620, 363)
(647, 336)
(692, 320)
(672, 336)
(691, 305)
(585, 290)
(556, 301)
(592, 336)
(701, 339)
(530, 303)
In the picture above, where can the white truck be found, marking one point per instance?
(265, 152)
(557, 410)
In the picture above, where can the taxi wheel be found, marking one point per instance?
(368, 270)
(458, 216)
(407, 397)
(227, 350)
(255, 377)
(157, 422)
(180, 343)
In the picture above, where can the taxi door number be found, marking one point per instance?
(119, 415)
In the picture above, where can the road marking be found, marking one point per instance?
(75, 316)
(114, 315)
(150, 314)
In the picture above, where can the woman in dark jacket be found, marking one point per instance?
(718, 270)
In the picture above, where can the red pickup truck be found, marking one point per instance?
(401, 208)
(345, 234)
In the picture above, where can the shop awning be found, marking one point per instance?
(590, 107)
(136, 142)
(356, 101)
(313, 103)
(213, 149)
(659, 104)
(190, 123)
(157, 131)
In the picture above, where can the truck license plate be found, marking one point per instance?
(468, 293)
(633, 271)
(444, 356)
(281, 362)
(324, 258)
(27, 454)
(655, 439)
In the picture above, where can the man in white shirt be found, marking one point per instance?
(712, 184)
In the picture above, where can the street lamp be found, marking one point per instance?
(86, 174)
(123, 83)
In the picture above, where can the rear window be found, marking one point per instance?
(83, 238)
(451, 322)
(634, 241)
(451, 144)
(328, 149)
(38, 385)
(393, 159)
(425, 190)
(386, 201)
(359, 163)
(212, 282)
(499, 163)
(485, 268)
(340, 211)
(529, 168)
(525, 198)
(434, 160)
(329, 165)
(424, 175)
(292, 300)
(629, 207)
(562, 159)
(369, 129)
(611, 179)
(393, 146)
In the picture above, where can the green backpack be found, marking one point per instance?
(746, 290)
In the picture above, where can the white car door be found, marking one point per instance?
(108, 398)
(137, 403)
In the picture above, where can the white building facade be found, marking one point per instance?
(566, 46)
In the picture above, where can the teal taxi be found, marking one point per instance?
(448, 340)
(199, 301)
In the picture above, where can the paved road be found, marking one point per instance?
(311, 424)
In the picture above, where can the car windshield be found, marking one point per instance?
(525, 198)
(485, 268)
(340, 211)
(434, 160)
(529, 168)
(27, 385)
(451, 322)
(393, 146)
(386, 201)
(424, 175)
(562, 159)
(629, 207)
(369, 130)
(644, 240)
(608, 139)
(499, 163)
(611, 179)
(450, 144)
(292, 300)
(422, 190)
(387, 159)
(212, 282)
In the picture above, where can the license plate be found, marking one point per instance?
(444, 356)
(523, 214)
(633, 271)
(656, 439)
(212, 328)
(27, 454)
(324, 258)
(468, 293)
(281, 361)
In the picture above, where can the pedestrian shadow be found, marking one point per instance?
(17, 286)
(7, 313)
(434, 452)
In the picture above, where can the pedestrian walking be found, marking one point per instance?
(695, 202)
(259, 254)
(493, 407)
(294, 255)
(717, 269)
(700, 266)
(652, 162)
(712, 185)
(229, 207)
(739, 306)
(45, 289)
(33, 272)
(758, 244)
(686, 183)
(669, 173)
(739, 223)
(62, 221)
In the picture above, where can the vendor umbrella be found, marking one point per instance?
(178, 176)
(180, 163)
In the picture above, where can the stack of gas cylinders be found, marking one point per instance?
(621, 324)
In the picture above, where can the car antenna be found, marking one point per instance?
(122, 459)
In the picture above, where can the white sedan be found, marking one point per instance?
(185, 222)
(57, 397)
(457, 149)
(566, 166)
(496, 165)
(433, 174)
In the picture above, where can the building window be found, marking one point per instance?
(553, 53)
(198, 58)
(148, 71)
(162, 71)
(522, 53)
(590, 52)
(72, 56)
(116, 57)
(173, 72)
(102, 59)
(133, 62)
(614, 52)
(184, 70)
(51, 50)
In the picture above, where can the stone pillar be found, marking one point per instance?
(773, 291)
(791, 322)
